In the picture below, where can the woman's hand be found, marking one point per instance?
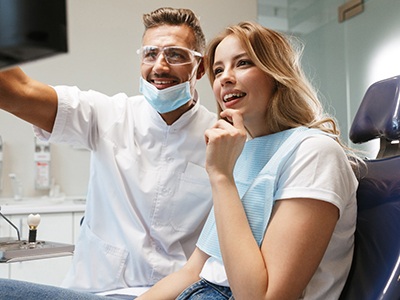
(225, 142)
(172, 285)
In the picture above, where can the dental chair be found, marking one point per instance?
(375, 271)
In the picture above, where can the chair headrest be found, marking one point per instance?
(379, 113)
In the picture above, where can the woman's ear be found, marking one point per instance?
(201, 69)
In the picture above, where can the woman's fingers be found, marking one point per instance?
(234, 116)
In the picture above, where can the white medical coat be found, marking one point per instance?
(148, 192)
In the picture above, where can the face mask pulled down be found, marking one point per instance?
(168, 99)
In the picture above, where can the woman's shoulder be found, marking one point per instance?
(322, 144)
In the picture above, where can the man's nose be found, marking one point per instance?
(161, 63)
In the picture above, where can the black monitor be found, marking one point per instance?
(31, 29)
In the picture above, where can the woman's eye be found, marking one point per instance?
(217, 71)
(244, 62)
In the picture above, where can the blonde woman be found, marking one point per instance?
(283, 186)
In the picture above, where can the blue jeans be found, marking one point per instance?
(205, 290)
(22, 290)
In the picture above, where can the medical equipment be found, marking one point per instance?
(16, 185)
(12, 250)
(375, 272)
(42, 159)
(33, 223)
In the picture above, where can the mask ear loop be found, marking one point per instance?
(195, 68)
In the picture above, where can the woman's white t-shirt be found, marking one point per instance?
(317, 169)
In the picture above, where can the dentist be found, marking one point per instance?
(148, 192)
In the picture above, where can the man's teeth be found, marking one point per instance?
(229, 97)
(162, 82)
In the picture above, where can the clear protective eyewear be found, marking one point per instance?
(174, 55)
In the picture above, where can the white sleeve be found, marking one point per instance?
(318, 169)
(82, 116)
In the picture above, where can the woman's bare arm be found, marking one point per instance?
(171, 286)
(297, 236)
(294, 244)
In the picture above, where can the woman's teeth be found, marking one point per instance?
(232, 96)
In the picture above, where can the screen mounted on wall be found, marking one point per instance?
(31, 30)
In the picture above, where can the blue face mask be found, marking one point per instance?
(168, 99)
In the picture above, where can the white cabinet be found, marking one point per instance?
(62, 227)
(4, 271)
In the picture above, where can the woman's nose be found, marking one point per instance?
(227, 77)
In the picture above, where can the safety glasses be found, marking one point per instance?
(174, 55)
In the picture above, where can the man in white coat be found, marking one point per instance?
(148, 192)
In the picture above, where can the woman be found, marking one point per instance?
(284, 214)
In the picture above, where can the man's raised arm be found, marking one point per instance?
(28, 99)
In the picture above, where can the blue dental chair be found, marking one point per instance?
(375, 271)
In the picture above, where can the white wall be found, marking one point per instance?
(103, 38)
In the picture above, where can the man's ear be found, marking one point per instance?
(201, 69)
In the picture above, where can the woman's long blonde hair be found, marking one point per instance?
(295, 102)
